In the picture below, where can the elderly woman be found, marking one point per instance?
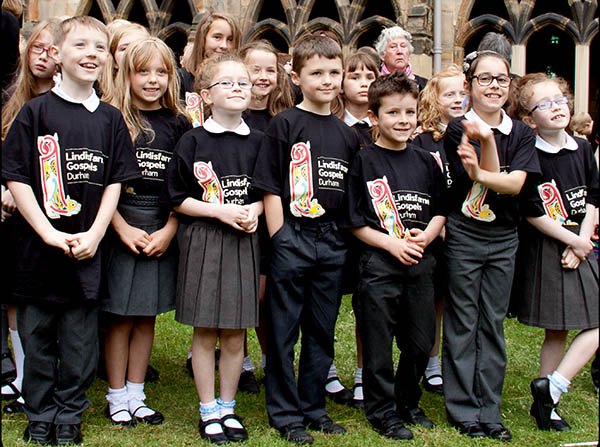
(394, 47)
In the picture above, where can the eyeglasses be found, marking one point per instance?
(37, 49)
(545, 105)
(485, 79)
(228, 84)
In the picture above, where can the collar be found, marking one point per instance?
(210, 125)
(351, 120)
(91, 103)
(544, 146)
(504, 127)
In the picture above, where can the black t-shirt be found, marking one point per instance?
(568, 181)
(516, 151)
(68, 156)
(213, 167)
(436, 149)
(394, 191)
(10, 48)
(304, 159)
(257, 119)
(363, 132)
(153, 156)
(191, 98)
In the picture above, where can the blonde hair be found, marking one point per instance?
(14, 6)
(136, 57)
(107, 79)
(198, 53)
(523, 92)
(281, 97)
(579, 122)
(430, 113)
(23, 88)
(68, 25)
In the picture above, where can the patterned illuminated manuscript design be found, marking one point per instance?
(194, 108)
(56, 202)
(303, 204)
(552, 202)
(438, 158)
(473, 205)
(213, 192)
(383, 203)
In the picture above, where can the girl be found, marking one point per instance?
(489, 156)
(271, 93)
(360, 70)
(34, 78)
(121, 36)
(141, 260)
(216, 33)
(554, 286)
(443, 98)
(209, 182)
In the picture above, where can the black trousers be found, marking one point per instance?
(303, 292)
(394, 300)
(61, 353)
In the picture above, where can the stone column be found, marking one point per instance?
(519, 53)
(582, 77)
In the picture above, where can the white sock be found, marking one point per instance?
(136, 398)
(247, 365)
(117, 401)
(335, 386)
(433, 368)
(358, 389)
(225, 409)
(558, 385)
(358, 376)
(263, 361)
(208, 411)
(19, 357)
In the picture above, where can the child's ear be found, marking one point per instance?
(54, 53)
(372, 117)
(205, 95)
(527, 120)
(295, 78)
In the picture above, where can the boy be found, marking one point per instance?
(302, 167)
(394, 207)
(64, 159)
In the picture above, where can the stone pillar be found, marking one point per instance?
(519, 53)
(582, 77)
(419, 24)
(44, 9)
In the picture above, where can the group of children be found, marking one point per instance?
(215, 191)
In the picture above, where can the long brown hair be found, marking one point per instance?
(24, 86)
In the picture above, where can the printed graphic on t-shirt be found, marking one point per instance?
(331, 173)
(56, 202)
(552, 202)
(194, 108)
(152, 162)
(302, 203)
(577, 199)
(385, 208)
(213, 191)
(473, 205)
(235, 188)
(438, 158)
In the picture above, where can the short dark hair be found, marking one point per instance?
(312, 45)
(396, 82)
(496, 42)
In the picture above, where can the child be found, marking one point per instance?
(554, 285)
(302, 167)
(141, 263)
(489, 156)
(443, 98)
(582, 124)
(216, 33)
(34, 78)
(66, 182)
(395, 209)
(360, 70)
(209, 182)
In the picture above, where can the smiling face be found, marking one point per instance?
(451, 96)
(262, 66)
(557, 117)
(41, 65)
(125, 41)
(228, 100)
(219, 38)
(397, 54)
(82, 56)
(356, 85)
(396, 120)
(149, 84)
(320, 79)
(488, 100)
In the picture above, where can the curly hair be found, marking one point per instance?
(523, 92)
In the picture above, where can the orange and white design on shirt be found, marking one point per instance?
(303, 204)
(194, 108)
(552, 202)
(383, 203)
(473, 205)
(56, 202)
(438, 158)
(213, 191)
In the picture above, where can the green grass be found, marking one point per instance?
(175, 396)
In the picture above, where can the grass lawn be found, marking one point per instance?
(175, 396)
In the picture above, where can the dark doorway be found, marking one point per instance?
(550, 50)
